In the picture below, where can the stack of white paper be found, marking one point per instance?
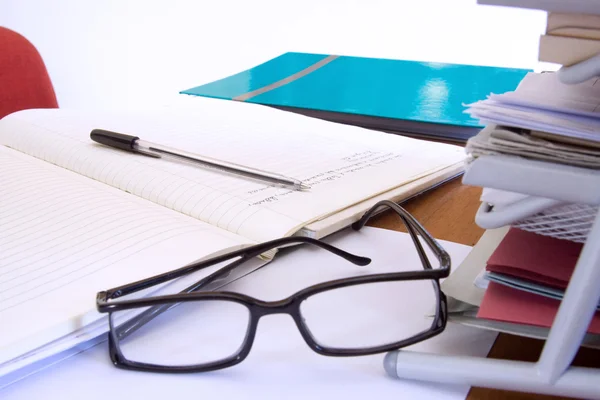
(542, 103)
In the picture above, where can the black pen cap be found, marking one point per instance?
(114, 139)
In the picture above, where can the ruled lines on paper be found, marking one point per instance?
(343, 165)
(55, 230)
(199, 193)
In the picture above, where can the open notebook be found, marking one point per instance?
(77, 217)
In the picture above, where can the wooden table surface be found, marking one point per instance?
(448, 213)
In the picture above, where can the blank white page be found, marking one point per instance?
(342, 164)
(64, 237)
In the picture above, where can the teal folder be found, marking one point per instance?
(400, 96)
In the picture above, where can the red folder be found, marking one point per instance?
(538, 258)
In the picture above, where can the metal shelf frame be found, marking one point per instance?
(548, 184)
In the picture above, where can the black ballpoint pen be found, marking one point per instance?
(136, 145)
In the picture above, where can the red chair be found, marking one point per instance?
(24, 80)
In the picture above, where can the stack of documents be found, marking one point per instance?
(542, 119)
(521, 142)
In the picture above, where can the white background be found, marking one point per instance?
(130, 52)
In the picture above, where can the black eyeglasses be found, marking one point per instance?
(198, 330)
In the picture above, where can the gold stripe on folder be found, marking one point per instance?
(285, 81)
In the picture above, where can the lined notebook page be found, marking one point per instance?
(342, 164)
(64, 237)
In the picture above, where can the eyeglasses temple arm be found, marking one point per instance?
(248, 252)
(412, 225)
(127, 328)
(417, 243)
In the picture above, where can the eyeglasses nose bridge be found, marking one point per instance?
(285, 306)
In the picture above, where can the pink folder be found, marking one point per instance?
(502, 303)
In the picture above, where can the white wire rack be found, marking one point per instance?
(570, 221)
(567, 221)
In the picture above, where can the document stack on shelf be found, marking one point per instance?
(543, 119)
(515, 277)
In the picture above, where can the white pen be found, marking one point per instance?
(136, 145)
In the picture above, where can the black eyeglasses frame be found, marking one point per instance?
(291, 305)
